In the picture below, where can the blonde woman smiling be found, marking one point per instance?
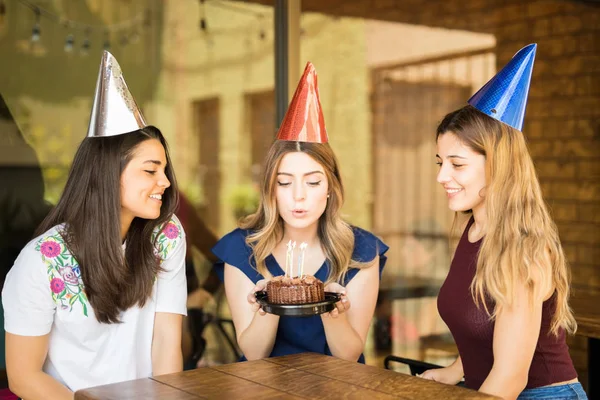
(505, 299)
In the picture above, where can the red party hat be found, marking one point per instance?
(303, 121)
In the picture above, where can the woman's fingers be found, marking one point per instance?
(259, 287)
(335, 288)
(334, 313)
(346, 302)
(343, 304)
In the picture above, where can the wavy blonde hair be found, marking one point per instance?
(266, 225)
(521, 238)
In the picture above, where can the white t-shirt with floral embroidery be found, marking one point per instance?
(43, 293)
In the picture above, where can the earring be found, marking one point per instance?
(327, 196)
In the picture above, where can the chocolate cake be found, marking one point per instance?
(286, 290)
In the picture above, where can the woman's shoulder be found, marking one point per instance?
(48, 255)
(233, 249)
(237, 236)
(367, 245)
(50, 245)
(360, 233)
(234, 241)
(172, 229)
(168, 237)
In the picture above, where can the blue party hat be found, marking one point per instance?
(504, 97)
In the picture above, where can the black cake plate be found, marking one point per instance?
(298, 310)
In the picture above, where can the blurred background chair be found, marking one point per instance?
(415, 366)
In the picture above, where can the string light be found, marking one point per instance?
(147, 19)
(69, 43)
(203, 24)
(85, 47)
(121, 28)
(36, 32)
(107, 42)
(241, 10)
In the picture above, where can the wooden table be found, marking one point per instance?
(298, 376)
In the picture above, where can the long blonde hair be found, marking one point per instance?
(521, 238)
(266, 225)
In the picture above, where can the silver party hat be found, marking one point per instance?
(114, 111)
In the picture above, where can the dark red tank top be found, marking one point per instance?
(473, 331)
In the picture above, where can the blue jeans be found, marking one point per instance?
(570, 391)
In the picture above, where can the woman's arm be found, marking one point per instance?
(516, 334)
(347, 333)
(255, 331)
(166, 344)
(25, 356)
(171, 285)
(450, 375)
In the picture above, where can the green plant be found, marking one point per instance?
(194, 193)
(244, 199)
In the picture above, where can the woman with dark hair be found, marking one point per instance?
(98, 296)
(301, 200)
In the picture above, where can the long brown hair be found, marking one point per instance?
(266, 225)
(90, 209)
(521, 238)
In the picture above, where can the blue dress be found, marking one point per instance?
(295, 334)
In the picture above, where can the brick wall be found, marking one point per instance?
(563, 114)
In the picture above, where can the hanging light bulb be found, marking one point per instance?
(85, 44)
(107, 42)
(147, 19)
(36, 32)
(261, 34)
(69, 42)
(203, 24)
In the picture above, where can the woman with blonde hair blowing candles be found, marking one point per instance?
(301, 198)
(505, 299)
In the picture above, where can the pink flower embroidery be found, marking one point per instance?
(171, 231)
(68, 275)
(57, 285)
(50, 249)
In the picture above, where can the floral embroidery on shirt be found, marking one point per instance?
(167, 238)
(64, 275)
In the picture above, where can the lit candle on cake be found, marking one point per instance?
(303, 247)
(288, 259)
(292, 260)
